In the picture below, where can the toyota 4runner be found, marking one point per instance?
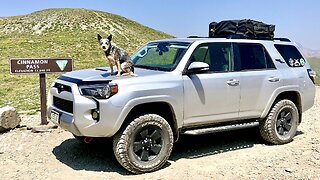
(186, 86)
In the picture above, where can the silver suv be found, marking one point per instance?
(186, 86)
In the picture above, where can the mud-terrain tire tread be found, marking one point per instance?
(267, 126)
(121, 143)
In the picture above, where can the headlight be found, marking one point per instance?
(99, 91)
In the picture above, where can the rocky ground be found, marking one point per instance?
(238, 154)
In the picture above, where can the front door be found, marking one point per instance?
(212, 96)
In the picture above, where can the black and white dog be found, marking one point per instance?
(116, 56)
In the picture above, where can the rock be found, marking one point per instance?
(9, 118)
(40, 129)
(288, 170)
(43, 128)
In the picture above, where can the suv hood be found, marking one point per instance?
(102, 74)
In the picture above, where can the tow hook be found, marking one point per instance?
(87, 140)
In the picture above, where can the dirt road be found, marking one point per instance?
(238, 154)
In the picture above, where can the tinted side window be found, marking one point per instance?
(291, 55)
(219, 56)
(201, 54)
(253, 57)
(270, 64)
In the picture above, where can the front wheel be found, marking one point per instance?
(280, 126)
(144, 145)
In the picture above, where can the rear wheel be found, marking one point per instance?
(280, 126)
(144, 145)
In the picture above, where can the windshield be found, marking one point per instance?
(163, 56)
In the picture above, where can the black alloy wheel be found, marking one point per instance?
(284, 122)
(148, 143)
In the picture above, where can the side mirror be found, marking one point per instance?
(197, 67)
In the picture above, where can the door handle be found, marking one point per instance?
(233, 82)
(274, 79)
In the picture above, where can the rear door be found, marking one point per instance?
(258, 78)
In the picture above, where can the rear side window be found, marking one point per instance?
(291, 55)
(253, 57)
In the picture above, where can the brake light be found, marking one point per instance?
(312, 74)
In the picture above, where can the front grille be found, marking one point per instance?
(62, 87)
(63, 104)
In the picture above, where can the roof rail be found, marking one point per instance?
(249, 37)
(282, 39)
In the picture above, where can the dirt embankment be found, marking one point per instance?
(227, 155)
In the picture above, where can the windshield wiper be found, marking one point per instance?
(142, 66)
(152, 67)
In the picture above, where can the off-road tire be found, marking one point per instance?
(280, 125)
(144, 145)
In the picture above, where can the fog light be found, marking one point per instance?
(95, 114)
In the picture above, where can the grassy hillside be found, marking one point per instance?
(315, 64)
(60, 33)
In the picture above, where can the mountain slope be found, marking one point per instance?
(308, 52)
(80, 21)
(60, 33)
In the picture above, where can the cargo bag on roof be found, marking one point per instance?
(246, 28)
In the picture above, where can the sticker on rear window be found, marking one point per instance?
(296, 62)
(302, 62)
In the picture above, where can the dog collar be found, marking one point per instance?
(109, 51)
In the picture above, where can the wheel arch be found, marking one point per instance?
(160, 108)
(293, 96)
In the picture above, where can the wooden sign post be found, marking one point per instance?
(41, 66)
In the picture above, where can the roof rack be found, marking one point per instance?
(282, 39)
(236, 36)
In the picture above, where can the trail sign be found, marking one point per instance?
(41, 66)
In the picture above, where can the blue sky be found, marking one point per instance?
(295, 19)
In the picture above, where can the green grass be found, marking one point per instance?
(65, 38)
(315, 65)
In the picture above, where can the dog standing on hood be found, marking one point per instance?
(116, 56)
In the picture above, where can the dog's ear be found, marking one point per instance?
(99, 37)
(109, 37)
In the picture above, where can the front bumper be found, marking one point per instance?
(75, 112)
(66, 121)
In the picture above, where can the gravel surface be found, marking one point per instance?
(55, 154)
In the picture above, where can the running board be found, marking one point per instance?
(221, 128)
